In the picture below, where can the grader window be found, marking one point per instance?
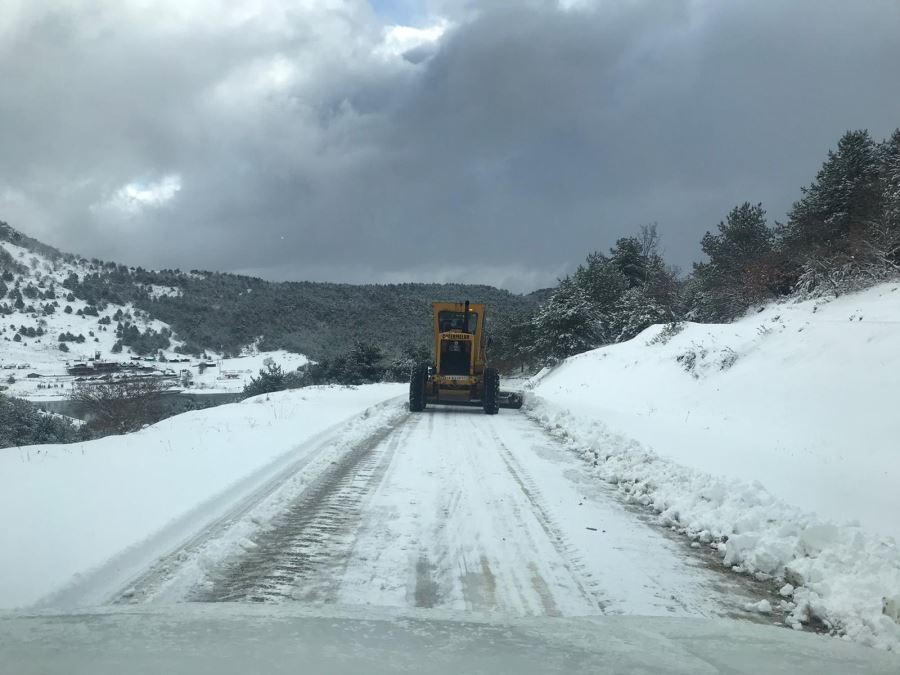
(453, 321)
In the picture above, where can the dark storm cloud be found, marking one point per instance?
(305, 148)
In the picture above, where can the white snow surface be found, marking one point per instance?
(68, 509)
(501, 518)
(774, 439)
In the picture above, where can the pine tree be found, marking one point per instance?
(363, 363)
(831, 219)
(512, 344)
(629, 258)
(741, 268)
(602, 280)
(568, 323)
(636, 311)
(410, 356)
(890, 173)
(271, 379)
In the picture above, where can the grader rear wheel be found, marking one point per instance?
(417, 381)
(491, 391)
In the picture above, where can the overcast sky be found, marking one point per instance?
(399, 140)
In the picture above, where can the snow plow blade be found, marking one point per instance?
(510, 399)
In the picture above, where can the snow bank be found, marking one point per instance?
(774, 438)
(69, 508)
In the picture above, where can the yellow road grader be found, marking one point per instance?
(460, 374)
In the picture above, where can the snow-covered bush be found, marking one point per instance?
(21, 423)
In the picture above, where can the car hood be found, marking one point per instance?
(232, 638)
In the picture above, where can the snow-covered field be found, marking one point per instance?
(231, 375)
(71, 508)
(43, 351)
(225, 376)
(778, 432)
(41, 358)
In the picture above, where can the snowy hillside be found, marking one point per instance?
(774, 438)
(33, 361)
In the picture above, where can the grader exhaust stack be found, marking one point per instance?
(460, 374)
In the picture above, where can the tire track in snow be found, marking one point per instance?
(486, 546)
(166, 575)
(304, 552)
(566, 551)
(713, 591)
(456, 524)
(445, 512)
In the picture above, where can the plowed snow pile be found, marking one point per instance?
(775, 439)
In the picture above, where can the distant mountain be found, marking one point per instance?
(200, 311)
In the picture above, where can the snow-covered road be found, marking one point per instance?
(455, 509)
(487, 513)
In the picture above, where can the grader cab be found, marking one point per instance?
(460, 374)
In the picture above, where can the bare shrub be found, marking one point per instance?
(120, 405)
